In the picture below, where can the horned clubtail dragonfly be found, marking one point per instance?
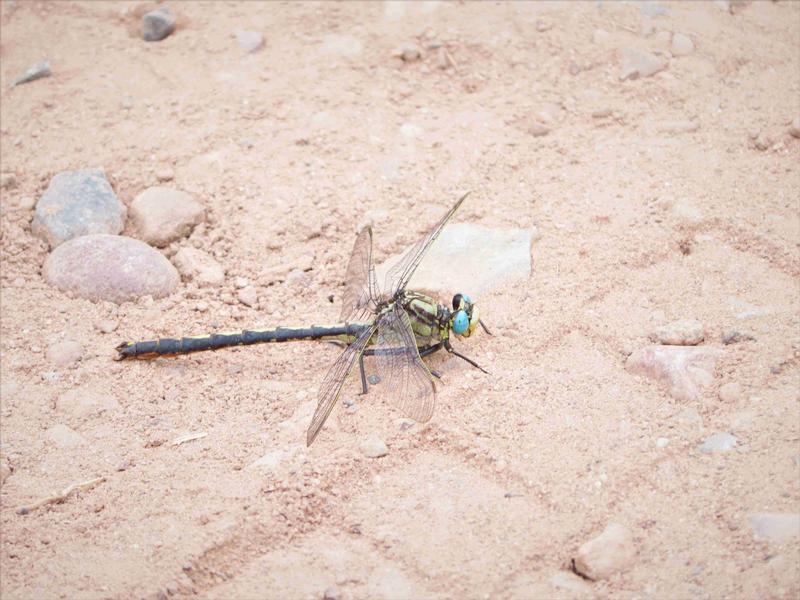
(396, 326)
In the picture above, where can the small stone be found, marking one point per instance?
(681, 45)
(165, 174)
(158, 24)
(249, 41)
(571, 583)
(34, 72)
(794, 128)
(718, 442)
(106, 325)
(110, 267)
(443, 59)
(298, 278)
(50, 376)
(637, 63)
(332, 593)
(730, 393)
(608, 553)
(601, 113)
(8, 180)
(764, 141)
(77, 203)
(600, 36)
(5, 469)
(85, 402)
(201, 306)
(685, 332)
(678, 126)
(195, 265)
(374, 448)
(248, 296)
(662, 442)
(542, 26)
(26, 202)
(242, 282)
(64, 437)
(64, 353)
(684, 369)
(733, 337)
(409, 52)
(777, 527)
(162, 215)
(538, 130)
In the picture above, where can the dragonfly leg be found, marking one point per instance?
(364, 388)
(431, 350)
(452, 350)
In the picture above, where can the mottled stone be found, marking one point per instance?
(158, 24)
(610, 552)
(195, 265)
(84, 402)
(777, 527)
(64, 353)
(162, 215)
(638, 63)
(718, 442)
(684, 369)
(110, 267)
(373, 448)
(685, 332)
(77, 203)
(248, 296)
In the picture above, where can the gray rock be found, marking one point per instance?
(478, 259)
(77, 203)
(64, 353)
(681, 45)
(162, 215)
(110, 267)
(34, 72)
(777, 527)
(718, 442)
(794, 128)
(64, 437)
(684, 369)
(373, 448)
(538, 130)
(85, 402)
(198, 266)
(610, 552)
(638, 63)
(733, 337)
(158, 24)
(730, 392)
(685, 332)
(249, 41)
(248, 296)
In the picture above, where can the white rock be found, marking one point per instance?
(730, 392)
(248, 296)
(684, 369)
(571, 583)
(638, 63)
(162, 215)
(719, 442)
(681, 45)
(373, 448)
(195, 265)
(777, 527)
(64, 437)
(608, 553)
(685, 332)
(64, 353)
(249, 41)
(84, 402)
(794, 128)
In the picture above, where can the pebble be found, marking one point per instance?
(443, 59)
(777, 527)
(8, 180)
(332, 593)
(346, 46)
(106, 325)
(794, 128)
(730, 392)
(248, 296)
(685, 332)
(34, 72)
(249, 41)
(606, 554)
(662, 442)
(84, 402)
(538, 130)
(64, 353)
(733, 337)
(298, 278)
(110, 267)
(684, 369)
(50, 376)
(195, 265)
(64, 437)
(158, 24)
(374, 448)
(637, 63)
(26, 202)
(165, 174)
(571, 583)
(408, 52)
(77, 203)
(242, 282)
(162, 215)
(601, 113)
(679, 126)
(718, 442)
(5, 469)
(681, 45)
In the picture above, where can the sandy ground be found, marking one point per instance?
(641, 222)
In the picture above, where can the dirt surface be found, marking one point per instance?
(667, 197)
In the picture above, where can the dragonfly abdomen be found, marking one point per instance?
(171, 346)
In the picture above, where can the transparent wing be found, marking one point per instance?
(360, 287)
(399, 275)
(334, 380)
(405, 379)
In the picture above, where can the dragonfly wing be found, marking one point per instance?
(400, 274)
(359, 279)
(331, 386)
(405, 378)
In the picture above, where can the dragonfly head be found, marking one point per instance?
(465, 317)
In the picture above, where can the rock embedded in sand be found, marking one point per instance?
(64, 437)
(684, 332)
(162, 215)
(638, 63)
(248, 296)
(84, 402)
(249, 41)
(608, 553)
(5, 469)
(777, 527)
(36, 71)
(718, 442)
(684, 369)
(77, 203)
(198, 266)
(158, 24)
(7, 180)
(794, 128)
(734, 336)
(373, 448)
(681, 45)
(64, 353)
(110, 267)
(730, 392)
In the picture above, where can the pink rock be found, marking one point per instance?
(162, 215)
(684, 369)
(606, 554)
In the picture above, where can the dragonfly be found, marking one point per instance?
(396, 326)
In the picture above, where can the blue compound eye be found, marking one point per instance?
(460, 322)
(467, 299)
